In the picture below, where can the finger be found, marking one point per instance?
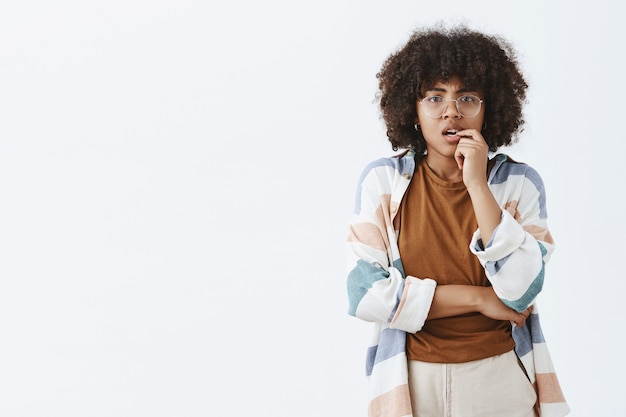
(521, 317)
(467, 133)
(471, 134)
(459, 158)
(525, 314)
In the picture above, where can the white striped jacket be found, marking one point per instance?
(379, 291)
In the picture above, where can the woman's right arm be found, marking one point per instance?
(454, 300)
(377, 289)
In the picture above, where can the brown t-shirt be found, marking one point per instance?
(436, 225)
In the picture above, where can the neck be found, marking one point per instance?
(445, 168)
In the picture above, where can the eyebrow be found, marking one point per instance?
(460, 90)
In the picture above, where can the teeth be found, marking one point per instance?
(451, 132)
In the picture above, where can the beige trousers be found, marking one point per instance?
(491, 387)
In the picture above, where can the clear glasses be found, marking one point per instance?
(467, 106)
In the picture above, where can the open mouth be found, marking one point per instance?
(450, 132)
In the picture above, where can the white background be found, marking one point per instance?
(176, 179)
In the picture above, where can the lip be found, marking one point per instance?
(451, 138)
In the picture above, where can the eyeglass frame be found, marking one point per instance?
(456, 104)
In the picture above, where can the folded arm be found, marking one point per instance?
(454, 300)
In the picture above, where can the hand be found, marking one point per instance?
(491, 306)
(471, 157)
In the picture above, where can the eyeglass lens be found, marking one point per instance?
(467, 106)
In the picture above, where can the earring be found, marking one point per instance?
(417, 127)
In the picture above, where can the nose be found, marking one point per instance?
(450, 111)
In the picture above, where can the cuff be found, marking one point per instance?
(414, 305)
(507, 237)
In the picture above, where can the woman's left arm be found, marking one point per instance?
(512, 220)
(472, 156)
(515, 255)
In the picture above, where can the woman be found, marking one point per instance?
(448, 246)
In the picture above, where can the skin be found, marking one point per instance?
(464, 157)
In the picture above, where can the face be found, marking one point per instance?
(440, 132)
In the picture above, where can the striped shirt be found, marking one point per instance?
(380, 292)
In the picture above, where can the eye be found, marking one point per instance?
(433, 99)
(468, 99)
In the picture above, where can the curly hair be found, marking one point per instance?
(486, 63)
